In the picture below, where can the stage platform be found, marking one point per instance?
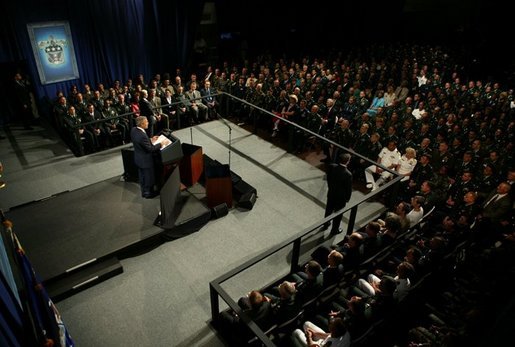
(167, 289)
(73, 230)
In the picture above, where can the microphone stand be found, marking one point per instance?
(191, 135)
(230, 133)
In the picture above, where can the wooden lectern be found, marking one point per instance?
(218, 185)
(192, 164)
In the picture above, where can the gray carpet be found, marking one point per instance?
(162, 298)
(84, 224)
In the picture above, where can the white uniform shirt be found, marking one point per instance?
(406, 165)
(389, 158)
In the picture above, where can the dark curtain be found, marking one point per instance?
(109, 38)
(113, 39)
(177, 21)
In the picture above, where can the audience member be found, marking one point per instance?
(338, 335)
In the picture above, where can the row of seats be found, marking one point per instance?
(281, 330)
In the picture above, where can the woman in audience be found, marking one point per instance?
(285, 306)
(334, 270)
(313, 336)
(377, 104)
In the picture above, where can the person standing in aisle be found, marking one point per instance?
(339, 182)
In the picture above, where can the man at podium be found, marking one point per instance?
(143, 156)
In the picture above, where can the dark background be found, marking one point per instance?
(480, 28)
(119, 39)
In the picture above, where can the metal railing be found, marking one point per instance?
(75, 127)
(215, 286)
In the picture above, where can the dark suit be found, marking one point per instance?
(260, 314)
(167, 108)
(497, 210)
(332, 275)
(183, 110)
(309, 288)
(23, 102)
(144, 160)
(233, 325)
(146, 110)
(209, 101)
(339, 182)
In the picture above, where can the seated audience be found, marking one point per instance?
(370, 286)
(338, 335)
(334, 270)
(308, 283)
(417, 211)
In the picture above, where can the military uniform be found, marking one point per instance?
(381, 131)
(422, 173)
(183, 110)
(314, 122)
(124, 109)
(468, 211)
(431, 199)
(114, 125)
(81, 108)
(405, 143)
(363, 105)
(424, 151)
(97, 129)
(486, 184)
(73, 136)
(344, 137)
(239, 91)
(460, 188)
(390, 138)
(60, 112)
(373, 150)
(361, 143)
(258, 98)
(442, 159)
(97, 102)
(463, 166)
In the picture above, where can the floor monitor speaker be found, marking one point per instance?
(248, 200)
(219, 211)
(130, 170)
(242, 188)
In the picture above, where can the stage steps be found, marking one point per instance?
(82, 277)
